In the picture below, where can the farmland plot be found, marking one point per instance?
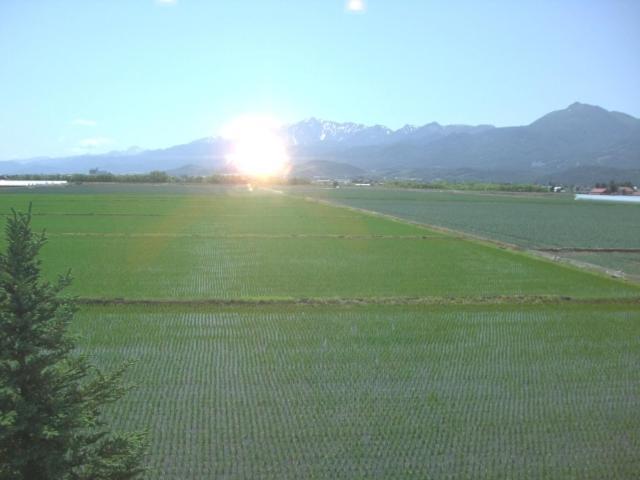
(183, 268)
(504, 386)
(532, 221)
(220, 212)
(235, 244)
(616, 261)
(385, 392)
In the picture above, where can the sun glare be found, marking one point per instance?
(257, 148)
(356, 5)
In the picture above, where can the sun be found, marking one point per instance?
(356, 5)
(256, 146)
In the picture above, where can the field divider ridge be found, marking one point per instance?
(320, 301)
(587, 250)
(344, 236)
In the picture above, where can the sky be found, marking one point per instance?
(89, 76)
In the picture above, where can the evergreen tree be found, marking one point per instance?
(51, 399)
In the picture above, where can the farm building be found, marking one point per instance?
(626, 191)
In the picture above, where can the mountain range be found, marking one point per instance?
(579, 144)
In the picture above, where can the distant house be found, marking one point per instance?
(322, 181)
(626, 191)
(599, 191)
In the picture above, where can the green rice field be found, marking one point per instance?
(379, 392)
(235, 244)
(532, 221)
(277, 337)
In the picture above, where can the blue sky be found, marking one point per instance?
(95, 75)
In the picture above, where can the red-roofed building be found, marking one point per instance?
(599, 191)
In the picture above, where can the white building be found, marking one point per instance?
(31, 183)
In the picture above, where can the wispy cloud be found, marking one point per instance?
(356, 6)
(167, 2)
(84, 122)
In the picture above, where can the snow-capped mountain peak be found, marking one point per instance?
(316, 131)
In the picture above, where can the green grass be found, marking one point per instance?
(379, 392)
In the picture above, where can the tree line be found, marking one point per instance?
(470, 186)
(154, 177)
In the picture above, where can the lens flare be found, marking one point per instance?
(256, 146)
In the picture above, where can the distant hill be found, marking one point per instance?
(191, 171)
(325, 169)
(578, 136)
(579, 144)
